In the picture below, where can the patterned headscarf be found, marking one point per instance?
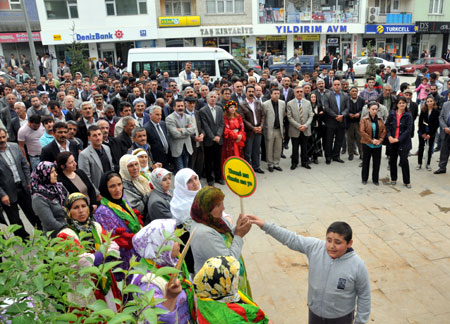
(40, 183)
(218, 279)
(77, 226)
(140, 182)
(156, 179)
(205, 200)
(148, 240)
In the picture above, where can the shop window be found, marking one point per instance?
(10, 5)
(178, 7)
(57, 9)
(310, 11)
(126, 7)
(436, 6)
(224, 6)
(180, 42)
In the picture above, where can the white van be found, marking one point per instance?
(172, 59)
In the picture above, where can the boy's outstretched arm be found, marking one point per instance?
(290, 239)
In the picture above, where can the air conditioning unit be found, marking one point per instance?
(374, 12)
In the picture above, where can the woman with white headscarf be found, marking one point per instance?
(142, 156)
(159, 201)
(136, 188)
(187, 184)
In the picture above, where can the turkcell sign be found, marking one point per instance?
(311, 29)
(94, 36)
(391, 29)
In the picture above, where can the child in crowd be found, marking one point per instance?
(338, 278)
(423, 90)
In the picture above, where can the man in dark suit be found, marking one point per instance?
(329, 79)
(123, 140)
(15, 185)
(196, 160)
(286, 94)
(444, 123)
(87, 120)
(253, 116)
(157, 136)
(213, 125)
(238, 94)
(337, 63)
(59, 144)
(153, 94)
(336, 106)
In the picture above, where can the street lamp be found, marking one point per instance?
(37, 74)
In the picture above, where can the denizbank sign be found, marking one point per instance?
(118, 34)
(311, 29)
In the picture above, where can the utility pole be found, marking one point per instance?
(37, 74)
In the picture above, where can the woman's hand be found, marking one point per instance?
(243, 225)
(256, 220)
(171, 295)
(238, 139)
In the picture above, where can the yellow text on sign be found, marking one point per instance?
(239, 177)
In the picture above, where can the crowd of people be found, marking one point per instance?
(101, 154)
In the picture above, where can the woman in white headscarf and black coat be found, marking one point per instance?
(187, 184)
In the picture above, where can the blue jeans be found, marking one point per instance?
(34, 161)
(182, 161)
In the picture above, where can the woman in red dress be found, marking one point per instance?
(234, 134)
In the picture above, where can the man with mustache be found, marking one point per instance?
(60, 144)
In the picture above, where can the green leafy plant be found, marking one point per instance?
(78, 62)
(39, 276)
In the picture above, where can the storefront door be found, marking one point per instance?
(346, 49)
(109, 54)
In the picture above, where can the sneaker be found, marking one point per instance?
(419, 166)
(408, 186)
(393, 183)
(428, 167)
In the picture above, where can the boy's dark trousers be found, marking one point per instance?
(314, 319)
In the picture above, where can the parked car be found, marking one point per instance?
(251, 63)
(360, 64)
(434, 64)
(307, 62)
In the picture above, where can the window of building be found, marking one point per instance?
(178, 7)
(126, 7)
(180, 42)
(224, 6)
(61, 9)
(10, 5)
(436, 6)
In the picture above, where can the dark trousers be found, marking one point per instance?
(422, 148)
(395, 152)
(286, 130)
(334, 140)
(197, 160)
(314, 319)
(212, 162)
(301, 141)
(353, 139)
(368, 153)
(252, 150)
(445, 149)
(12, 211)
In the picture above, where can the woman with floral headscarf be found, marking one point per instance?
(159, 201)
(48, 197)
(148, 244)
(79, 219)
(233, 133)
(218, 297)
(136, 188)
(212, 227)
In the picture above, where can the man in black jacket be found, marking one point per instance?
(59, 144)
(157, 136)
(356, 104)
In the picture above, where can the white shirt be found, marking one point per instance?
(62, 149)
(252, 107)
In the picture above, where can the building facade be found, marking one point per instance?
(108, 28)
(13, 35)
